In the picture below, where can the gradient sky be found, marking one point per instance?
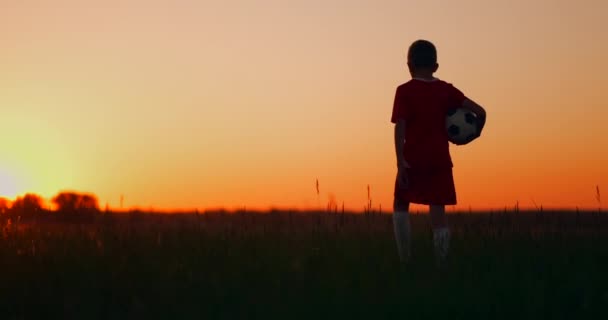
(195, 104)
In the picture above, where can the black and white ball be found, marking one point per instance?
(462, 126)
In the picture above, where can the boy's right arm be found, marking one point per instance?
(478, 110)
(399, 141)
(402, 165)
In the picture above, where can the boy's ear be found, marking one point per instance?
(435, 67)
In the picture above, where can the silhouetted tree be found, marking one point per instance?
(75, 202)
(4, 205)
(28, 206)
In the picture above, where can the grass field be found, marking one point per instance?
(289, 265)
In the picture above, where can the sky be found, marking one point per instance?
(203, 104)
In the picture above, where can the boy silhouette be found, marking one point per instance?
(424, 165)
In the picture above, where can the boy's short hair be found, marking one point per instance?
(422, 54)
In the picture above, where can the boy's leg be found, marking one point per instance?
(402, 229)
(441, 232)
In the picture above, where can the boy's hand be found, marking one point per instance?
(480, 123)
(402, 179)
(468, 140)
(480, 112)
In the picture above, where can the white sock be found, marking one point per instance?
(441, 241)
(401, 226)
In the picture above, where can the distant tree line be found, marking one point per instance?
(68, 205)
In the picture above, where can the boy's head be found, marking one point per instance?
(422, 57)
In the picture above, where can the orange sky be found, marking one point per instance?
(194, 104)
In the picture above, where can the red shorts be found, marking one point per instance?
(428, 186)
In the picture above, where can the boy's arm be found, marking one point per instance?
(402, 165)
(399, 141)
(478, 110)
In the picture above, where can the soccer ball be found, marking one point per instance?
(461, 125)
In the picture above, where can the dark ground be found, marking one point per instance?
(507, 265)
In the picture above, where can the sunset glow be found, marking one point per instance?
(200, 104)
(8, 185)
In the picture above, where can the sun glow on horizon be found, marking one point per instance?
(10, 185)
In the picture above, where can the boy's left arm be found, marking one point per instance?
(478, 110)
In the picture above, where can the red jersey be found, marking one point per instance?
(423, 105)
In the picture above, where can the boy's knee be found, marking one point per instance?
(437, 208)
(400, 205)
(438, 217)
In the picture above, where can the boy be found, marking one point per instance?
(424, 165)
